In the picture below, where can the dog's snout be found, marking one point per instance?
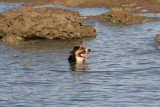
(89, 50)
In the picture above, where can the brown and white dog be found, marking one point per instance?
(78, 54)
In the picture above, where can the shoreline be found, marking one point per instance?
(133, 6)
(74, 27)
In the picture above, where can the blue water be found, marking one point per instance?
(83, 12)
(122, 69)
(8, 5)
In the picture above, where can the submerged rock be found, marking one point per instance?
(157, 38)
(44, 23)
(158, 46)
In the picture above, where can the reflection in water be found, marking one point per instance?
(79, 66)
(38, 54)
(45, 44)
(30, 73)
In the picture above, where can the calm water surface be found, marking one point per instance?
(123, 69)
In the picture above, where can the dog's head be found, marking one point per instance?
(80, 53)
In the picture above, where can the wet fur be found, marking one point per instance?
(75, 57)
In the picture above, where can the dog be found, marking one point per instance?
(78, 54)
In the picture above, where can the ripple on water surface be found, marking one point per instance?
(122, 69)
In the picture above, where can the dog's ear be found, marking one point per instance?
(72, 52)
(76, 48)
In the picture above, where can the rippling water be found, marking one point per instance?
(122, 70)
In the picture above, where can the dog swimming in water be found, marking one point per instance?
(78, 54)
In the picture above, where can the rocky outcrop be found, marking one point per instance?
(118, 16)
(121, 17)
(44, 23)
(135, 6)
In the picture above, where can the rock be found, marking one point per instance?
(44, 23)
(152, 6)
(158, 47)
(120, 17)
(116, 9)
(157, 38)
(12, 39)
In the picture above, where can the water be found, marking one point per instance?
(7, 5)
(83, 12)
(122, 70)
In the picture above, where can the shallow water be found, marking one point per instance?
(83, 12)
(122, 69)
(8, 5)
